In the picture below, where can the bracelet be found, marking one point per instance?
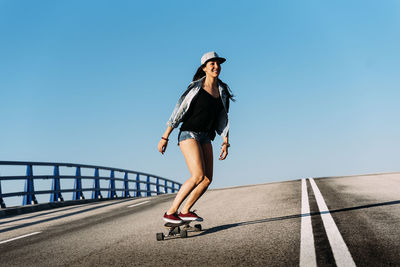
(163, 138)
(227, 144)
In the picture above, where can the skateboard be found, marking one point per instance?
(174, 229)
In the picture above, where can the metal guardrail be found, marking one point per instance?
(160, 185)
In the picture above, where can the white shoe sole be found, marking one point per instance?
(193, 219)
(172, 221)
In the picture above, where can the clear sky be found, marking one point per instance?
(94, 82)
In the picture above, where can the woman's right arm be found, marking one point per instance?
(174, 119)
(162, 145)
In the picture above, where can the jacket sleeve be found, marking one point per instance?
(223, 127)
(179, 110)
(227, 99)
(223, 121)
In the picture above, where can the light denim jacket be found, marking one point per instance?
(185, 100)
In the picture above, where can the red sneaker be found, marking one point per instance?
(190, 216)
(172, 218)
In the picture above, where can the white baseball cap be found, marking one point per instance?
(211, 55)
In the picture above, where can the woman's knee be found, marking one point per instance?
(197, 179)
(207, 180)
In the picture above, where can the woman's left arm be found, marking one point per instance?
(224, 148)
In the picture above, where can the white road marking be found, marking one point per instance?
(340, 251)
(19, 237)
(307, 248)
(138, 204)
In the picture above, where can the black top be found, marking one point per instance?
(202, 113)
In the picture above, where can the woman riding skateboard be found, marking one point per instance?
(202, 110)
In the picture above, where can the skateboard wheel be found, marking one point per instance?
(183, 234)
(160, 236)
(198, 227)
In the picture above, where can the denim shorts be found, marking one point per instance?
(201, 137)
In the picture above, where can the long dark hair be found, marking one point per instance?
(200, 74)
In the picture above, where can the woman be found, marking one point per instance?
(202, 110)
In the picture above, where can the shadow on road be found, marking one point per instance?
(57, 217)
(41, 213)
(281, 218)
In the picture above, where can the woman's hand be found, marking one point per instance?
(162, 146)
(224, 151)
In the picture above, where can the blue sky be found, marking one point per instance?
(94, 82)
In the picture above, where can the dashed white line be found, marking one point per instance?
(307, 248)
(138, 204)
(19, 237)
(340, 251)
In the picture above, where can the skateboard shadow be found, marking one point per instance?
(288, 217)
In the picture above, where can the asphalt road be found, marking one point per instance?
(276, 224)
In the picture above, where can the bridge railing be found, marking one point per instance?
(137, 183)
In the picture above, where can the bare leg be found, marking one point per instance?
(199, 190)
(193, 153)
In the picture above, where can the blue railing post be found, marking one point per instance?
(158, 186)
(2, 204)
(96, 193)
(56, 195)
(165, 186)
(126, 185)
(29, 197)
(111, 187)
(173, 187)
(148, 186)
(78, 185)
(138, 193)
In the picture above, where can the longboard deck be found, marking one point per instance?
(169, 224)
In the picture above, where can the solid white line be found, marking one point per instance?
(340, 251)
(138, 204)
(307, 248)
(19, 237)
